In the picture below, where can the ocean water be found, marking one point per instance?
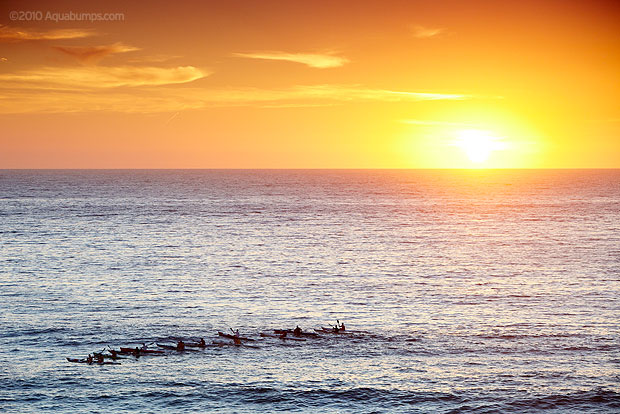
(473, 291)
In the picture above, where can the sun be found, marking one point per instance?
(477, 144)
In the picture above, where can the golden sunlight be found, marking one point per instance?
(478, 144)
(317, 77)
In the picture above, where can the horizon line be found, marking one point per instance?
(309, 169)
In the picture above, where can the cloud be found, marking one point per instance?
(314, 60)
(148, 99)
(3, 59)
(307, 95)
(93, 54)
(161, 58)
(99, 77)
(422, 32)
(15, 34)
(360, 93)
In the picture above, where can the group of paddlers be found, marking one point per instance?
(296, 334)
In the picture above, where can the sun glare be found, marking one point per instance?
(477, 144)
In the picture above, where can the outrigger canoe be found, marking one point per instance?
(229, 336)
(290, 338)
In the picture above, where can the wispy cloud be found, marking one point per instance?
(16, 34)
(98, 77)
(3, 59)
(357, 92)
(171, 118)
(150, 59)
(424, 32)
(148, 99)
(314, 60)
(93, 54)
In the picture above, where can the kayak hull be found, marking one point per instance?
(141, 351)
(174, 348)
(226, 343)
(171, 347)
(229, 336)
(106, 356)
(196, 345)
(331, 331)
(84, 361)
(291, 332)
(290, 338)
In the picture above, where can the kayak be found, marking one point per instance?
(290, 338)
(196, 345)
(229, 336)
(141, 351)
(127, 352)
(174, 348)
(226, 343)
(85, 361)
(331, 331)
(291, 332)
(107, 356)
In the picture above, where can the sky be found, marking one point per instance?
(300, 84)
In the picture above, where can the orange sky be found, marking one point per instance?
(321, 84)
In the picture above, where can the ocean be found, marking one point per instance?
(465, 291)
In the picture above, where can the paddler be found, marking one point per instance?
(236, 339)
(180, 346)
(342, 327)
(202, 342)
(297, 331)
(89, 359)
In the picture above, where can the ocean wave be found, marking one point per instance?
(33, 332)
(319, 397)
(570, 402)
(199, 395)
